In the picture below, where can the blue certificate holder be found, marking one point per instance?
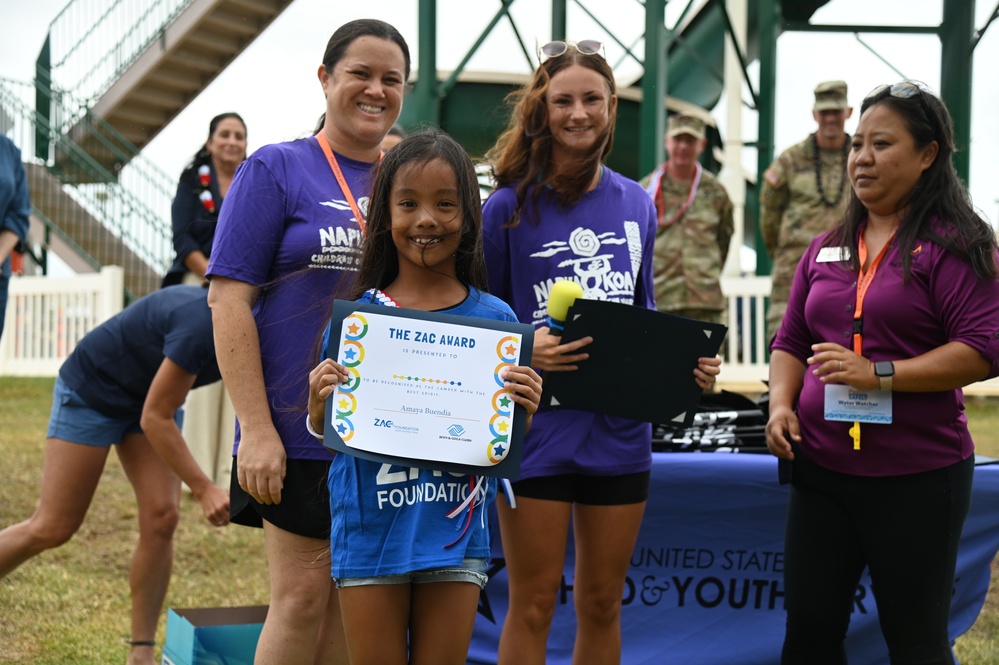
(425, 389)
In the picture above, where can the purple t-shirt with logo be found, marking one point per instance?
(604, 243)
(942, 302)
(287, 228)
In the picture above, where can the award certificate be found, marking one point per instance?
(425, 390)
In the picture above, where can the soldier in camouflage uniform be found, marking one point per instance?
(695, 226)
(804, 193)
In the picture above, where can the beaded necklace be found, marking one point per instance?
(817, 162)
(205, 180)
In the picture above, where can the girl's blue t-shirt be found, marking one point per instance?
(391, 520)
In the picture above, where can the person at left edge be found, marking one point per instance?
(15, 209)
(124, 385)
(410, 575)
(287, 244)
(694, 226)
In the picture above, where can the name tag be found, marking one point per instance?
(831, 254)
(843, 403)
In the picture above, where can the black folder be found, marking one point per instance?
(641, 363)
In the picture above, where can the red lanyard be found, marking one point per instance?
(658, 197)
(864, 280)
(344, 187)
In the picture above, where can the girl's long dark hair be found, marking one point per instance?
(938, 208)
(522, 154)
(379, 258)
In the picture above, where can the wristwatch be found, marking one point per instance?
(885, 371)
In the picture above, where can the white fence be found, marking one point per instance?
(47, 316)
(744, 352)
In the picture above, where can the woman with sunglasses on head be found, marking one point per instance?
(900, 304)
(559, 213)
(288, 243)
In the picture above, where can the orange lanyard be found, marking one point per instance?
(344, 187)
(864, 281)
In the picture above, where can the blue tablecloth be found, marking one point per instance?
(705, 585)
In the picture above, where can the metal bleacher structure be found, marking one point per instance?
(113, 74)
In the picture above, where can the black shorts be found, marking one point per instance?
(588, 490)
(305, 501)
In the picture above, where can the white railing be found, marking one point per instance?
(744, 353)
(47, 316)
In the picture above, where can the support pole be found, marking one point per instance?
(558, 20)
(732, 176)
(769, 29)
(428, 102)
(957, 33)
(43, 99)
(652, 114)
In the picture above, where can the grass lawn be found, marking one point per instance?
(70, 605)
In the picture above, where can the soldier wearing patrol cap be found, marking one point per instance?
(695, 226)
(803, 193)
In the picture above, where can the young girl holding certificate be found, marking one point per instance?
(409, 576)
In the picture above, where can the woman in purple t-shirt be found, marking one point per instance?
(890, 314)
(287, 244)
(559, 213)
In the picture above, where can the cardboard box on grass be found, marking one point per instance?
(213, 635)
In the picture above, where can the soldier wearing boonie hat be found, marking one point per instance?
(803, 193)
(830, 96)
(681, 123)
(695, 226)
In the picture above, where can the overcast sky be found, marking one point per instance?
(273, 83)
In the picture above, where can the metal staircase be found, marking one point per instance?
(108, 218)
(110, 76)
(163, 54)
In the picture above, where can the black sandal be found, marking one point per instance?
(141, 643)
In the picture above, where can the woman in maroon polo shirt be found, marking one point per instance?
(890, 315)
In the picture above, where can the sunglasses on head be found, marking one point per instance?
(902, 90)
(557, 48)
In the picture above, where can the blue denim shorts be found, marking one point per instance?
(471, 570)
(75, 421)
